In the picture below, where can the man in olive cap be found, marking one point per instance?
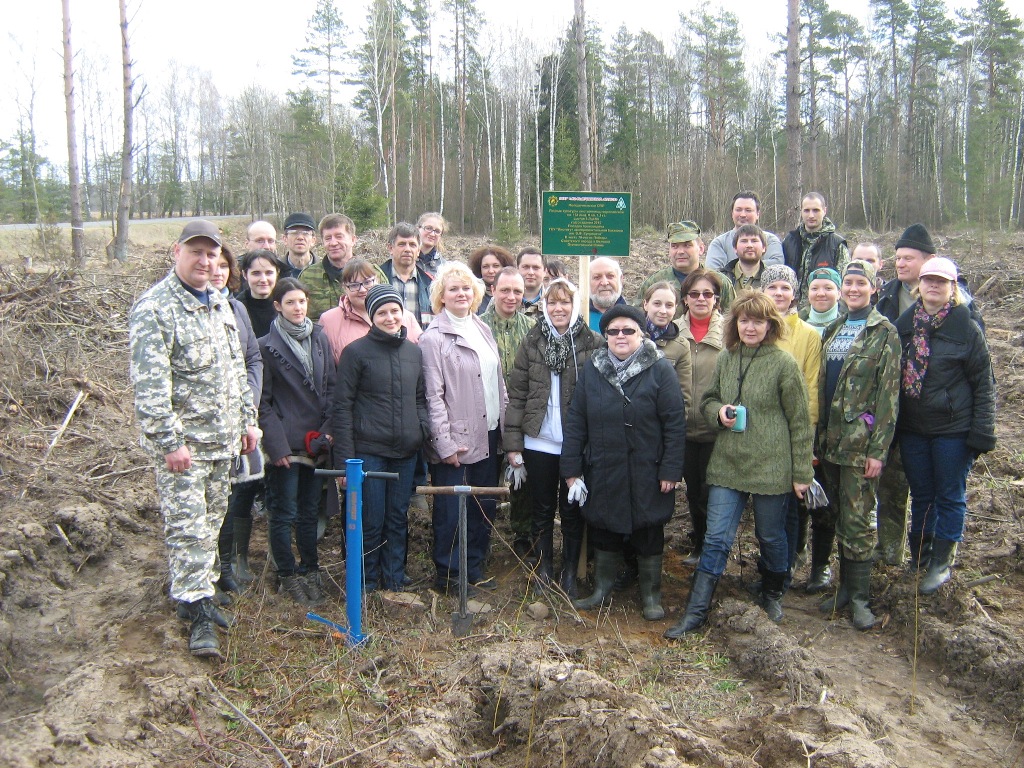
(685, 253)
(195, 410)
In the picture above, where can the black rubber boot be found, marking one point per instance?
(202, 638)
(822, 538)
(225, 549)
(771, 594)
(920, 552)
(841, 598)
(939, 566)
(226, 582)
(858, 585)
(543, 573)
(649, 574)
(756, 587)
(243, 532)
(607, 565)
(571, 546)
(627, 575)
(696, 615)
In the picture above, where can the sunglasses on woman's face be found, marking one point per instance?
(623, 331)
(698, 294)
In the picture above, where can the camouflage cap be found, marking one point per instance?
(858, 267)
(200, 228)
(683, 232)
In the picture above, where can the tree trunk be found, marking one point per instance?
(77, 226)
(793, 159)
(582, 100)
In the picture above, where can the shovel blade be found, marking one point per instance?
(461, 623)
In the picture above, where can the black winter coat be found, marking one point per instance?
(958, 392)
(292, 403)
(624, 442)
(823, 253)
(380, 402)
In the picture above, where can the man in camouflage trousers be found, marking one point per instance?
(509, 326)
(195, 411)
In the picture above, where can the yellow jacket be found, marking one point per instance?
(804, 344)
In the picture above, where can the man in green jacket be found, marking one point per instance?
(685, 253)
(509, 326)
(323, 278)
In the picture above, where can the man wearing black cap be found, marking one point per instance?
(195, 410)
(300, 236)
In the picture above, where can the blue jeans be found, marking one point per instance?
(293, 498)
(386, 521)
(479, 515)
(725, 507)
(936, 469)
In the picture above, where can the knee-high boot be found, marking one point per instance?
(606, 567)
(696, 615)
(649, 573)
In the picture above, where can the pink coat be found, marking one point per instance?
(455, 393)
(343, 325)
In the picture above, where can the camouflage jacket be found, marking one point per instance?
(324, 293)
(188, 371)
(860, 421)
(508, 335)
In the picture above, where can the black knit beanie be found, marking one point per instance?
(380, 295)
(916, 236)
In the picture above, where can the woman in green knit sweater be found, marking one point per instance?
(768, 459)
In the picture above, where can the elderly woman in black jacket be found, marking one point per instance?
(540, 389)
(626, 434)
(298, 389)
(380, 416)
(947, 415)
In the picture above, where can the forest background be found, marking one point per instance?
(917, 114)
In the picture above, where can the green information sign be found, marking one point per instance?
(585, 224)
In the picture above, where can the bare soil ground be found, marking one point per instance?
(94, 668)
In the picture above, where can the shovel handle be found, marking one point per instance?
(454, 490)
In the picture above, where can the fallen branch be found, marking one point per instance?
(982, 580)
(67, 420)
(244, 717)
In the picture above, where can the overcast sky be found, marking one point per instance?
(252, 41)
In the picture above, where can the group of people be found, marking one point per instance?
(755, 369)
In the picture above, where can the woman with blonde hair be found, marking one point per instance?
(758, 400)
(466, 407)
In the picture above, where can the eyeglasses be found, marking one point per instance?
(431, 230)
(365, 285)
(701, 294)
(617, 331)
(303, 232)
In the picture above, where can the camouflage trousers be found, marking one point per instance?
(853, 497)
(193, 504)
(893, 495)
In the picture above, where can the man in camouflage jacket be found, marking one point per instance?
(196, 414)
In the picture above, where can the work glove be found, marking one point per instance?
(815, 497)
(515, 475)
(578, 492)
(317, 443)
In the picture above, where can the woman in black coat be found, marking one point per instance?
(298, 389)
(380, 416)
(947, 416)
(626, 434)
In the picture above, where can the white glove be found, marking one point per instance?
(815, 497)
(515, 476)
(578, 492)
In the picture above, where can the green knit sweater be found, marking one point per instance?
(775, 451)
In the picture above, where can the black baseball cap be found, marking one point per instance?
(299, 220)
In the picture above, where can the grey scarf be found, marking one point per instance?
(617, 372)
(297, 339)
